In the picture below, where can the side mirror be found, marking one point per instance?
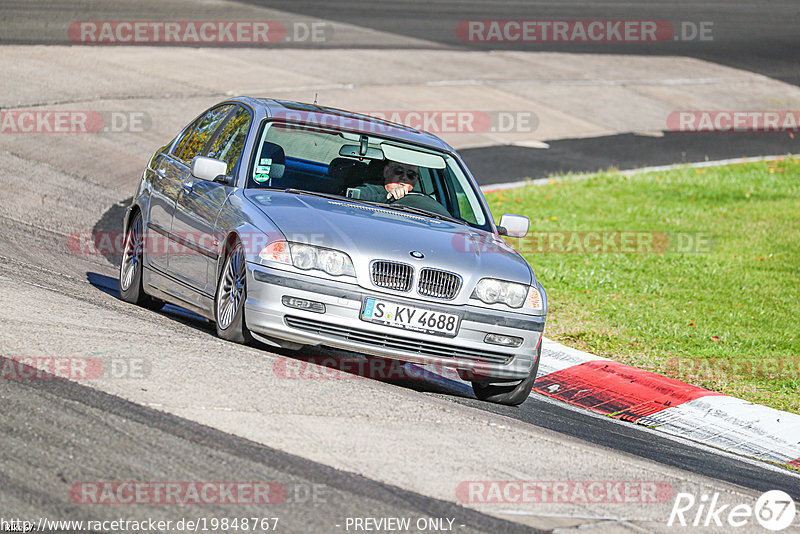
(513, 225)
(224, 179)
(208, 168)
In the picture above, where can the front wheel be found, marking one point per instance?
(130, 269)
(231, 296)
(508, 394)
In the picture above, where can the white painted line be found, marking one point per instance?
(328, 87)
(489, 188)
(532, 143)
(511, 185)
(444, 83)
(598, 82)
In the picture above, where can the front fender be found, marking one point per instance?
(140, 201)
(239, 219)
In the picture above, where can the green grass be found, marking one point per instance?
(725, 316)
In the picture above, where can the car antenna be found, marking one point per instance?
(315, 98)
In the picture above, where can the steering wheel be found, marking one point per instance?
(421, 200)
(392, 200)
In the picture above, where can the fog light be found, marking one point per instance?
(303, 304)
(500, 339)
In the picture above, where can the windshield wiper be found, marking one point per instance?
(422, 211)
(398, 207)
(314, 194)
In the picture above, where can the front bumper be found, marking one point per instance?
(341, 326)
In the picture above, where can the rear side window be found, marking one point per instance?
(198, 134)
(229, 143)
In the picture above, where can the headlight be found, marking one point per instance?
(308, 257)
(491, 291)
(303, 256)
(333, 262)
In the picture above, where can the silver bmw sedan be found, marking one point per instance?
(295, 224)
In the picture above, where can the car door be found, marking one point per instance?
(165, 180)
(199, 203)
(168, 171)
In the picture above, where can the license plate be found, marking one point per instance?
(409, 317)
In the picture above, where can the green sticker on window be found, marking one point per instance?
(261, 177)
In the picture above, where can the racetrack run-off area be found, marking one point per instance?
(177, 404)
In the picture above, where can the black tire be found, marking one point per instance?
(231, 295)
(509, 394)
(130, 268)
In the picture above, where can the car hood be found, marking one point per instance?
(368, 232)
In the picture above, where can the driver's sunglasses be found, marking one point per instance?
(400, 171)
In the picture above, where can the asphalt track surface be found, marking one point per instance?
(539, 411)
(501, 164)
(757, 36)
(56, 432)
(760, 37)
(160, 440)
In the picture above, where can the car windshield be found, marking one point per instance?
(364, 168)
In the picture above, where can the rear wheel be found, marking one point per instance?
(511, 394)
(230, 297)
(130, 269)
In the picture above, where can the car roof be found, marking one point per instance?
(341, 119)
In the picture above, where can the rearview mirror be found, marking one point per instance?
(355, 151)
(513, 225)
(208, 168)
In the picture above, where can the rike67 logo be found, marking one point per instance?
(774, 510)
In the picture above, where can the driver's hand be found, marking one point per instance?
(398, 191)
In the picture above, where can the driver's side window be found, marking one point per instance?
(197, 136)
(229, 143)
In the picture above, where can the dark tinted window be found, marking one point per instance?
(229, 143)
(200, 132)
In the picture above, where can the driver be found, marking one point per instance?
(398, 180)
